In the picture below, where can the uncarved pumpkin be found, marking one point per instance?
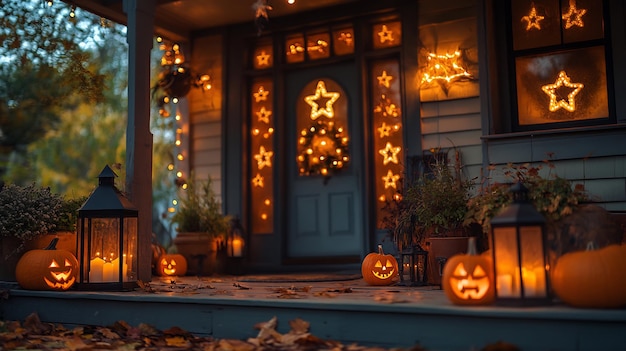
(595, 278)
(171, 265)
(467, 279)
(379, 268)
(47, 269)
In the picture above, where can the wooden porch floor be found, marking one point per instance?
(341, 308)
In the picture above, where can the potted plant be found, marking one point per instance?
(26, 213)
(201, 227)
(571, 220)
(439, 205)
(64, 228)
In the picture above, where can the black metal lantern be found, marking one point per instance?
(413, 266)
(106, 245)
(519, 253)
(235, 247)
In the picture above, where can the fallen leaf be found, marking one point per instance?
(299, 326)
(177, 341)
(235, 345)
(242, 287)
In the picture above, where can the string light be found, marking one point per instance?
(384, 79)
(390, 153)
(321, 92)
(385, 35)
(532, 19)
(550, 89)
(574, 16)
(445, 68)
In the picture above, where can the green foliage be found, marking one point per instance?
(200, 211)
(28, 212)
(68, 214)
(553, 196)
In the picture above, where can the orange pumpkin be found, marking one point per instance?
(468, 278)
(595, 278)
(47, 269)
(379, 268)
(171, 264)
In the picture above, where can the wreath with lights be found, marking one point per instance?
(323, 149)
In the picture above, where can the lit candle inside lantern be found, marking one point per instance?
(237, 244)
(110, 270)
(530, 282)
(95, 268)
(504, 285)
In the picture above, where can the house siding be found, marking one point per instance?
(205, 110)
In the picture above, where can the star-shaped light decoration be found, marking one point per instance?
(390, 153)
(384, 79)
(557, 102)
(532, 20)
(387, 108)
(385, 35)
(346, 37)
(574, 16)
(390, 179)
(384, 130)
(261, 94)
(257, 181)
(320, 92)
(264, 115)
(264, 158)
(263, 59)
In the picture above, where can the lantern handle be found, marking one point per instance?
(471, 246)
(52, 245)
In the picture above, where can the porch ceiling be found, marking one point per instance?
(178, 19)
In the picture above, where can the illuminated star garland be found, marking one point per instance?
(384, 79)
(390, 153)
(321, 92)
(264, 115)
(263, 59)
(323, 149)
(532, 19)
(574, 17)
(550, 89)
(387, 108)
(261, 94)
(385, 35)
(390, 180)
(264, 158)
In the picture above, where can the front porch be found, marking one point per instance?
(338, 306)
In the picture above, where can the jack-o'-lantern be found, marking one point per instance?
(594, 278)
(468, 278)
(379, 268)
(47, 269)
(171, 264)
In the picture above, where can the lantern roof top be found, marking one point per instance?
(521, 211)
(106, 199)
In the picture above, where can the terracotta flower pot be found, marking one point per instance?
(199, 250)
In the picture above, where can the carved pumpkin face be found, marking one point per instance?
(171, 264)
(62, 275)
(47, 269)
(379, 269)
(467, 279)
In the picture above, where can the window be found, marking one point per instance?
(559, 59)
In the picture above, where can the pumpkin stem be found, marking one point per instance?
(380, 250)
(471, 246)
(591, 246)
(52, 245)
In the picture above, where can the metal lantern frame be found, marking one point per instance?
(519, 252)
(235, 247)
(107, 242)
(410, 259)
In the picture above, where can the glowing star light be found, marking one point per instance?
(263, 59)
(257, 181)
(557, 102)
(384, 79)
(445, 68)
(385, 35)
(264, 158)
(532, 20)
(384, 130)
(320, 92)
(390, 179)
(261, 94)
(264, 115)
(574, 17)
(390, 153)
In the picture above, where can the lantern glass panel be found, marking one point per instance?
(533, 265)
(506, 255)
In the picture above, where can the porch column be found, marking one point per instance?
(138, 136)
